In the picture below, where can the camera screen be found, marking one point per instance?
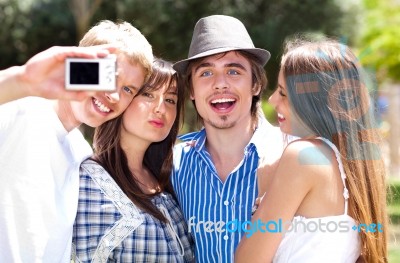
(82, 73)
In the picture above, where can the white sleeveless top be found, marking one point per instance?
(323, 239)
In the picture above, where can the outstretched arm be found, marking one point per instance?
(43, 75)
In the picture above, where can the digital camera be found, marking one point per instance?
(98, 74)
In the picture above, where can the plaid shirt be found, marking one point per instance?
(109, 227)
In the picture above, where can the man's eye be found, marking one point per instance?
(206, 74)
(127, 89)
(233, 72)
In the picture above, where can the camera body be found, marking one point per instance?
(97, 74)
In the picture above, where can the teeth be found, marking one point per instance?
(101, 106)
(281, 116)
(222, 100)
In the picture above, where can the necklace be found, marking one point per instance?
(152, 186)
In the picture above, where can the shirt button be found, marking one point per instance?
(226, 202)
(226, 237)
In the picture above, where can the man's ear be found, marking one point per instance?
(256, 89)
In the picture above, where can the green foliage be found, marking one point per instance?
(381, 38)
(394, 255)
(394, 197)
(394, 201)
(169, 24)
(271, 22)
(394, 214)
(107, 10)
(11, 32)
(42, 15)
(29, 27)
(268, 22)
(269, 112)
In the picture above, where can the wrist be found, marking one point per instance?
(12, 86)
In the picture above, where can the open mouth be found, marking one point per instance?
(223, 104)
(101, 106)
(281, 118)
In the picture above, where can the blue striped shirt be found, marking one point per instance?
(208, 204)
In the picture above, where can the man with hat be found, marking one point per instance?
(214, 173)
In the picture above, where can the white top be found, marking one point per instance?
(323, 239)
(39, 173)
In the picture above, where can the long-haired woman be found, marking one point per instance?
(328, 191)
(127, 211)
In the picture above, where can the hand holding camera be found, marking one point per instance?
(95, 74)
(43, 75)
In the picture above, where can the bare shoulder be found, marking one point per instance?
(307, 157)
(309, 152)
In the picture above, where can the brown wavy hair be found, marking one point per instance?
(158, 157)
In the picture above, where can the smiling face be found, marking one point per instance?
(104, 106)
(150, 116)
(289, 123)
(223, 90)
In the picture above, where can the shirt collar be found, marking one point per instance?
(258, 137)
(263, 139)
(195, 139)
(268, 140)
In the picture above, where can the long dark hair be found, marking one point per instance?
(158, 157)
(328, 91)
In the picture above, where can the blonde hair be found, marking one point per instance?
(328, 91)
(129, 40)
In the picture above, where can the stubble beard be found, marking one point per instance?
(222, 124)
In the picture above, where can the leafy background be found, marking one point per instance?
(370, 27)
